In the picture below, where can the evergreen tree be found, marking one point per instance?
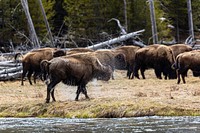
(12, 21)
(176, 11)
(196, 14)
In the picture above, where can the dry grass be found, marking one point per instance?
(121, 97)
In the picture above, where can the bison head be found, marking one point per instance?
(104, 72)
(59, 53)
(120, 61)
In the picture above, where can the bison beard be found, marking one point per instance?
(75, 72)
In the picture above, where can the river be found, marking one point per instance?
(118, 125)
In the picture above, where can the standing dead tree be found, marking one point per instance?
(32, 31)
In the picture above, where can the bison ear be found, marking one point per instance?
(58, 53)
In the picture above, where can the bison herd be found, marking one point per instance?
(78, 66)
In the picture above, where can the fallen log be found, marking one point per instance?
(10, 76)
(115, 40)
(11, 70)
(9, 64)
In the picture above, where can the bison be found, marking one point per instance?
(158, 57)
(129, 52)
(75, 70)
(112, 58)
(180, 48)
(145, 58)
(165, 59)
(186, 61)
(31, 61)
(78, 50)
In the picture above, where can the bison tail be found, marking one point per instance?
(176, 65)
(16, 55)
(44, 65)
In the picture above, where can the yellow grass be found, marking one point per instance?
(121, 97)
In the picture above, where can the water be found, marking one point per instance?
(117, 125)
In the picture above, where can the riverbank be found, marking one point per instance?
(121, 97)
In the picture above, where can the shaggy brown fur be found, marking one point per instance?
(165, 59)
(31, 62)
(129, 52)
(78, 50)
(75, 70)
(159, 57)
(186, 61)
(112, 58)
(180, 48)
(145, 58)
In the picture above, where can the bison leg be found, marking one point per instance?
(129, 72)
(52, 94)
(135, 73)
(23, 75)
(84, 91)
(158, 74)
(50, 89)
(78, 92)
(29, 76)
(142, 73)
(35, 77)
(183, 75)
(179, 78)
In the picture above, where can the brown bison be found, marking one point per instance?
(164, 61)
(31, 61)
(115, 59)
(76, 70)
(186, 61)
(180, 48)
(129, 52)
(159, 57)
(78, 50)
(145, 58)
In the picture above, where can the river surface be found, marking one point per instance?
(152, 124)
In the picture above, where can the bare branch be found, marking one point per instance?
(123, 30)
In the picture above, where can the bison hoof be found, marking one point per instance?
(47, 101)
(76, 99)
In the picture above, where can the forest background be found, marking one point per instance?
(81, 23)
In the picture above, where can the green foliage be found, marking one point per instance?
(196, 14)
(86, 19)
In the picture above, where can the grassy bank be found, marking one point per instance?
(90, 110)
(121, 97)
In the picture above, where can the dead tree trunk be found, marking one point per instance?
(115, 40)
(190, 21)
(46, 23)
(153, 22)
(30, 23)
